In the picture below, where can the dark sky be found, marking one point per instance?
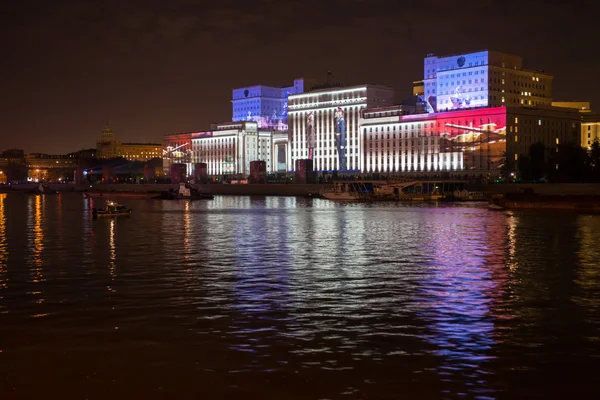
(156, 67)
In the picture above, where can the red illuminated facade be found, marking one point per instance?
(483, 143)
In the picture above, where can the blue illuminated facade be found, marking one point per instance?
(265, 105)
(482, 79)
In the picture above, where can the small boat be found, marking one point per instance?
(111, 209)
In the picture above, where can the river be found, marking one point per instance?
(294, 298)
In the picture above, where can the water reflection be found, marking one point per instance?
(88, 236)
(35, 234)
(3, 249)
(462, 283)
(112, 253)
(588, 277)
(308, 298)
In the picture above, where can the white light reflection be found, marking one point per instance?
(88, 233)
(187, 248)
(512, 241)
(112, 254)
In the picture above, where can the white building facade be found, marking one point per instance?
(229, 147)
(395, 143)
(313, 119)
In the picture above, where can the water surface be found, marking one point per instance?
(293, 298)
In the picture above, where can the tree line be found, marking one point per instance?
(567, 163)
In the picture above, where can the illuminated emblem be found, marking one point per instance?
(461, 61)
(246, 92)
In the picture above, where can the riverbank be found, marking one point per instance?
(214, 189)
(551, 189)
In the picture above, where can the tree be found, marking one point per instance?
(594, 162)
(569, 164)
(533, 165)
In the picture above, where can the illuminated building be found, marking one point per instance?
(226, 149)
(418, 88)
(582, 106)
(279, 151)
(473, 142)
(314, 119)
(110, 147)
(590, 130)
(266, 105)
(483, 79)
(177, 149)
(50, 168)
(590, 122)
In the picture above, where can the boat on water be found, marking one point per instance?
(465, 195)
(125, 195)
(365, 190)
(42, 189)
(111, 209)
(184, 192)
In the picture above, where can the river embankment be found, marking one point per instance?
(550, 189)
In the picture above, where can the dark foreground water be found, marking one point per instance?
(291, 298)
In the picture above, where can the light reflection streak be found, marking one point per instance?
(187, 248)
(588, 274)
(112, 254)
(261, 277)
(512, 241)
(458, 294)
(88, 232)
(36, 242)
(3, 248)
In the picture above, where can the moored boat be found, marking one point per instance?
(366, 190)
(111, 209)
(185, 192)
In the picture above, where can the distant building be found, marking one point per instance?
(83, 153)
(110, 147)
(582, 106)
(12, 166)
(418, 88)
(266, 105)
(590, 122)
(50, 168)
(226, 149)
(483, 79)
(590, 129)
(324, 125)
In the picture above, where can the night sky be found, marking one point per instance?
(157, 67)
